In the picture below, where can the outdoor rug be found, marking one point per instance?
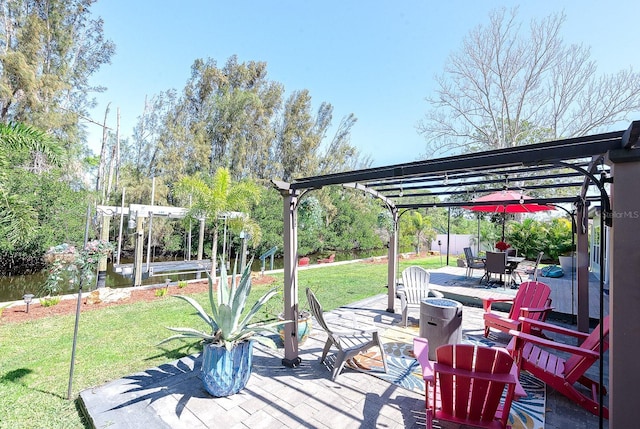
(405, 371)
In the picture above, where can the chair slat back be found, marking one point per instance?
(469, 392)
(468, 254)
(316, 310)
(416, 284)
(538, 259)
(535, 267)
(496, 262)
(533, 295)
(577, 365)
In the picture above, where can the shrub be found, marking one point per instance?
(553, 237)
(559, 238)
(50, 301)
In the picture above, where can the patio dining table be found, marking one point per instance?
(514, 260)
(512, 263)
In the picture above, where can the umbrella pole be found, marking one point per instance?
(478, 243)
(504, 220)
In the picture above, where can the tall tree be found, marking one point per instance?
(150, 138)
(48, 51)
(300, 147)
(508, 86)
(227, 115)
(340, 154)
(300, 135)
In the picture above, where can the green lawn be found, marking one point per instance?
(120, 340)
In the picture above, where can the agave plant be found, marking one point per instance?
(227, 324)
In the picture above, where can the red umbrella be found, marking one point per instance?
(517, 204)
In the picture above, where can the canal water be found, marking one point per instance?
(15, 287)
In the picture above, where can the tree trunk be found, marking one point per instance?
(114, 158)
(214, 252)
(103, 152)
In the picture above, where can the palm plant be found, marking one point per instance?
(422, 229)
(228, 325)
(217, 194)
(17, 218)
(528, 237)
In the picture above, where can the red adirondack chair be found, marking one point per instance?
(327, 260)
(465, 384)
(532, 301)
(303, 261)
(563, 374)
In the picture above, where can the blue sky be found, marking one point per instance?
(376, 59)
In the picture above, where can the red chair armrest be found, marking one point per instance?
(521, 336)
(421, 353)
(486, 302)
(527, 324)
(525, 311)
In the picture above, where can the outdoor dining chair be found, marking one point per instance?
(527, 269)
(473, 262)
(496, 263)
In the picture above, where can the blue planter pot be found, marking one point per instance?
(304, 327)
(226, 372)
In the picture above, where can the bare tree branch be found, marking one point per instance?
(510, 85)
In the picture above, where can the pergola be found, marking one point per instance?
(602, 168)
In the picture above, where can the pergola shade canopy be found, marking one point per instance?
(539, 166)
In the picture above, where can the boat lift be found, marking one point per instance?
(137, 213)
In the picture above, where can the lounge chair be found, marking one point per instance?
(465, 384)
(414, 288)
(349, 342)
(532, 301)
(563, 373)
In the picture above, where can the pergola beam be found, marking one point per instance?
(534, 154)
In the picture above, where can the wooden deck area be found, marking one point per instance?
(452, 282)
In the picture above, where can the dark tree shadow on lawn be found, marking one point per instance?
(16, 376)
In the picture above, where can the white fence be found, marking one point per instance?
(457, 242)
